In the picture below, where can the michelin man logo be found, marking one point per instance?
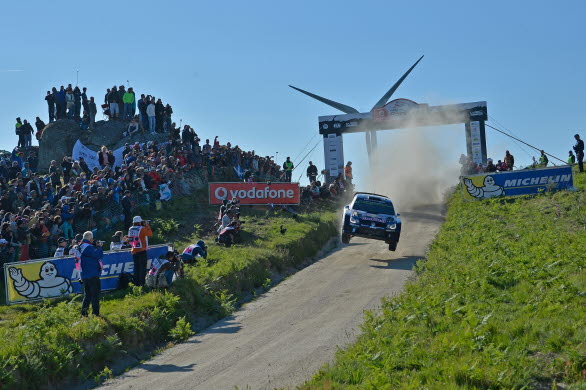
(48, 285)
(489, 190)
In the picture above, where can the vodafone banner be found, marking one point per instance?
(255, 193)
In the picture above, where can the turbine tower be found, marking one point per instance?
(371, 141)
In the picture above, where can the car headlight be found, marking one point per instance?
(354, 217)
(392, 226)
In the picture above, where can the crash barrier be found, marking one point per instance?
(255, 193)
(54, 277)
(511, 183)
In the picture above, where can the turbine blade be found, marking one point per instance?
(331, 103)
(390, 92)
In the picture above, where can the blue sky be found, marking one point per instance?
(225, 66)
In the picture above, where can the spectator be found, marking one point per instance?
(18, 131)
(103, 157)
(70, 103)
(348, 172)
(133, 127)
(85, 101)
(60, 102)
(40, 125)
(66, 166)
(128, 100)
(311, 172)
(92, 111)
(509, 160)
(151, 113)
(579, 149)
(543, 160)
(127, 209)
(50, 99)
(113, 102)
(142, 111)
(490, 167)
(288, 166)
(91, 268)
(571, 158)
(27, 131)
(138, 238)
(77, 102)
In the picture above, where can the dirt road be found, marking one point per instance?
(282, 338)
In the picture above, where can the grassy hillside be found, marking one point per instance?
(49, 344)
(500, 302)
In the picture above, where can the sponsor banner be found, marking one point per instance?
(255, 193)
(511, 183)
(53, 277)
(476, 142)
(91, 157)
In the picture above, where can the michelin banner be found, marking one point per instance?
(27, 281)
(511, 183)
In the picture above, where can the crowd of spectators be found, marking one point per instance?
(37, 210)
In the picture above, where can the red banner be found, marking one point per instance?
(255, 193)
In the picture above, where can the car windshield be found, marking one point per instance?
(373, 207)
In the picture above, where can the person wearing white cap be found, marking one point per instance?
(138, 235)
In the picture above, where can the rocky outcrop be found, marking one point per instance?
(60, 136)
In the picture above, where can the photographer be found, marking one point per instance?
(163, 269)
(91, 267)
(138, 239)
(194, 250)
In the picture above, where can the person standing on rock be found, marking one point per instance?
(19, 132)
(85, 101)
(70, 103)
(142, 115)
(77, 102)
(60, 102)
(50, 99)
(128, 100)
(150, 111)
(40, 125)
(92, 110)
(113, 102)
(27, 131)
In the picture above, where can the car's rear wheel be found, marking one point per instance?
(345, 238)
(393, 246)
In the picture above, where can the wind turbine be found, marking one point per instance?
(371, 141)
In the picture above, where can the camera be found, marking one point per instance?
(100, 243)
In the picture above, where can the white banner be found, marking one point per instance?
(476, 144)
(91, 157)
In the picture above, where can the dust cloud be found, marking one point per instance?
(412, 169)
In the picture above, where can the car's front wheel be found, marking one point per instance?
(345, 238)
(393, 246)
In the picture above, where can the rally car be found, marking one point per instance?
(371, 216)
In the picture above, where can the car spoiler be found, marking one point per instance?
(371, 193)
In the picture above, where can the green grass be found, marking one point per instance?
(48, 344)
(500, 302)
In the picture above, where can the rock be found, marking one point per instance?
(58, 140)
(60, 136)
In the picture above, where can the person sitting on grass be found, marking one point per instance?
(193, 251)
